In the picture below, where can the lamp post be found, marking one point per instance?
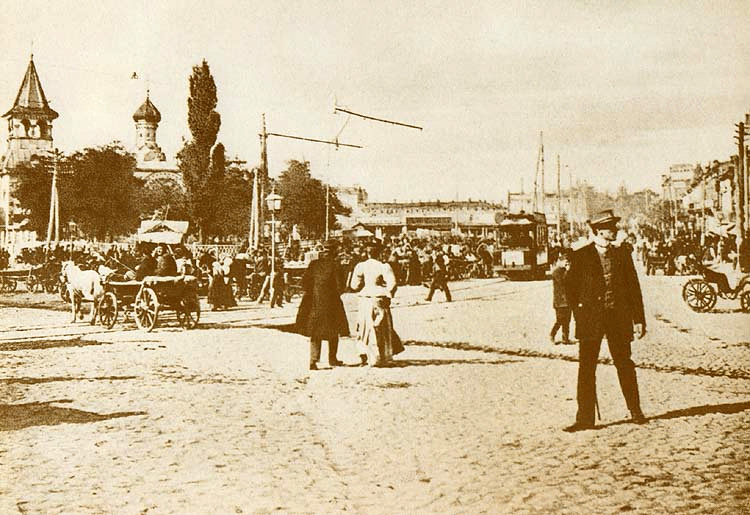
(273, 202)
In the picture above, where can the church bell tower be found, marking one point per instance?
(29, 133)
(29, 121)
(147, 119)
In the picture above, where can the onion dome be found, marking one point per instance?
(147, 112)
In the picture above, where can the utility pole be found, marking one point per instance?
(54, 208)
(53, 226)
(327, 207)
(570, 202)
(703, 207)
(559, 201)
(739, 182)
(542, 188)
(747, 184)
(539, 158)
(264, 179)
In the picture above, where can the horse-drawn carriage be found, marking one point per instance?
(148, 299)
(41, 276)
(9, 279)
(659, 259)
(700, 293)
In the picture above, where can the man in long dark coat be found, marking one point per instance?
(603, 289)
(321, 314)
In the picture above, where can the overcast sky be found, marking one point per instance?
(621, 90)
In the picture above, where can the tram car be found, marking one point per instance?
(523, 246)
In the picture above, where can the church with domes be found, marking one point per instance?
(152, 165)
(30, 121)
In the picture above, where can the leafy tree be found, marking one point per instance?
(99, 191)
(96, 189)
(304, 201)
(195, 157)
(162, 198)
(32, 188)
(233, 205)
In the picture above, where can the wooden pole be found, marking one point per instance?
(703, 210)
(52, 203)
(570, 202)
(544, 200)
(747, 184)
(739, 182)
(559, 200)
(327, 207)
(263, 175)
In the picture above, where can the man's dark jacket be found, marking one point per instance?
(321, 313)
(585, 288)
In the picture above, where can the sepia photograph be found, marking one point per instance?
(399, 257)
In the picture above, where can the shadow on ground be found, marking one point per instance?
(45, 343)
(41, 380)
(402, 363)
(726, 409)
(695, 411)
(20, 416)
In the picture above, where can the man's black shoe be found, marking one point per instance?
(578, 426)
(313, 366)
(638, 418)
(336, 363)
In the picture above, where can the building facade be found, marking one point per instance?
(570, 208)
(469, 217)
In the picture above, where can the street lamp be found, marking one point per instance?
(273, 202)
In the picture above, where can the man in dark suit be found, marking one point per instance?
(603, 289)
(321, 314)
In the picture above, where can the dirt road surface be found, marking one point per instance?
(227, 419)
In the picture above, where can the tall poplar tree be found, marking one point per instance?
(195, 157)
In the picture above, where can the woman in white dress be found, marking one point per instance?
(376, 283)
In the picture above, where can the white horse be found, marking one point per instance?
(82, 285)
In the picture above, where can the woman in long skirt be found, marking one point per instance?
(375, 281)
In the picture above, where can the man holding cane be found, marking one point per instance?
(603, 289)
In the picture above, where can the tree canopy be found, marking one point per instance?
(304, 203)
(96, 189)
(100, 191)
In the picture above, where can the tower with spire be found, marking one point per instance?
(29, 133)
(29, 121)
(147, 118)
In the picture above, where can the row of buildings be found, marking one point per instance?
(707, 198)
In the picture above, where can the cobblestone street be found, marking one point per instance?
(227, 418)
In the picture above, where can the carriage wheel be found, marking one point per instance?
(699, 295)
(9, 285)
(108, 310)
(189, 312)
(146, 309)
(51, 285)
(745, 301)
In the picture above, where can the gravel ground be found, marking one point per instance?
(227, 418)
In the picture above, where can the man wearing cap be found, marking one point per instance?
(603, 289)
